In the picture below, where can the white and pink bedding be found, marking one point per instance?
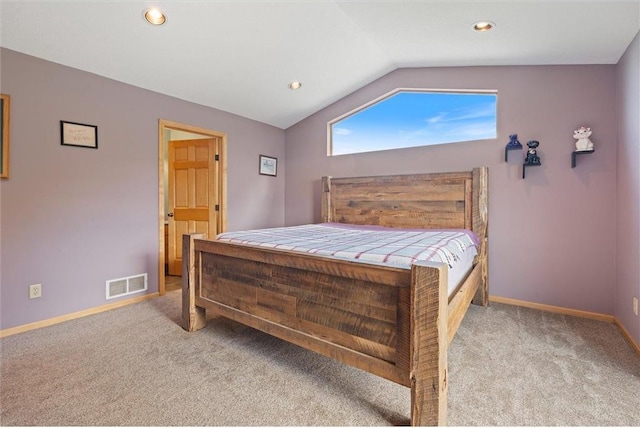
(371, 244)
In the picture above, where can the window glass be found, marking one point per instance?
(415, 118)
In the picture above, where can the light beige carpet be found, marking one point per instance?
(135, 366)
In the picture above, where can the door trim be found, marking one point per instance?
(221, 179)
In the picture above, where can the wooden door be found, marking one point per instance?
(193, 194)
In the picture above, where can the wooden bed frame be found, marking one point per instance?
(392, 322)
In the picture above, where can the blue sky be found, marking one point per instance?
(410, 119)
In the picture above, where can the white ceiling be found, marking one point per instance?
(239, 56)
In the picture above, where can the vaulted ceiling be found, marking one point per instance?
(240, 56)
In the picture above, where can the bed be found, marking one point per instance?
(391, 321)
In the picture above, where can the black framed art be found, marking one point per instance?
(268, 166)
(78, 134)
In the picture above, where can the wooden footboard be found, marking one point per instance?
(395, 323)
(388, 321)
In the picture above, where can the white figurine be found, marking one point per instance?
(584, 144)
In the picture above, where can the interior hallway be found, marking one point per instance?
(172, 283)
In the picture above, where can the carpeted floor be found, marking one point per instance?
(135, 366)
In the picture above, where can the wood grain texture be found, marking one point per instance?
(429, 344)
(410, 201)
(193, 317)
(460, 301)
(355, 313)
(192, 193)
(480, 214)
(395, 323)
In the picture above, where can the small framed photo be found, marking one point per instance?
(268, 165)
(78, 134)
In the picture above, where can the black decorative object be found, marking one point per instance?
(532, 158)
(532, 155)
(513, 144)
(579, 152)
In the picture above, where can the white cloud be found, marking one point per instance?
(435, 119)
(341, 131)
(465, 114)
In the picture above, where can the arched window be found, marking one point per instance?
(411, 118)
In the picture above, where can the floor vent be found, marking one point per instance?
(129, 285)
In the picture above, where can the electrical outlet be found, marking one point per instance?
(635, 306)
(35, 291)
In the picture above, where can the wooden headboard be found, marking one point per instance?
(450, 200)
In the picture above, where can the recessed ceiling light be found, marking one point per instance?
(481, 26)
(155, 16)
(295, 85)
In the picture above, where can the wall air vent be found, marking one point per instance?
(124, 286)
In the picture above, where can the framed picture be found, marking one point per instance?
(4, 135)
(78, 134)
(268, 165)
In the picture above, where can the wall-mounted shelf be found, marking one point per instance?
(575, 154)
(507, 149)
(525, 165)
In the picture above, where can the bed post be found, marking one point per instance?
(480, 227)
(326, 200)
(428, 353)
(193, 317)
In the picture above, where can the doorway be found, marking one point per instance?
(198, 155)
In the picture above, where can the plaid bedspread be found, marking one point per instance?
(370, 244)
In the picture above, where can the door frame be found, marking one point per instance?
(221, 180)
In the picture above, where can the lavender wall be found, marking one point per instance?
(72, 218)
(628, 201)
(552, 235)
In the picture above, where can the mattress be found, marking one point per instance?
(395, 247)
